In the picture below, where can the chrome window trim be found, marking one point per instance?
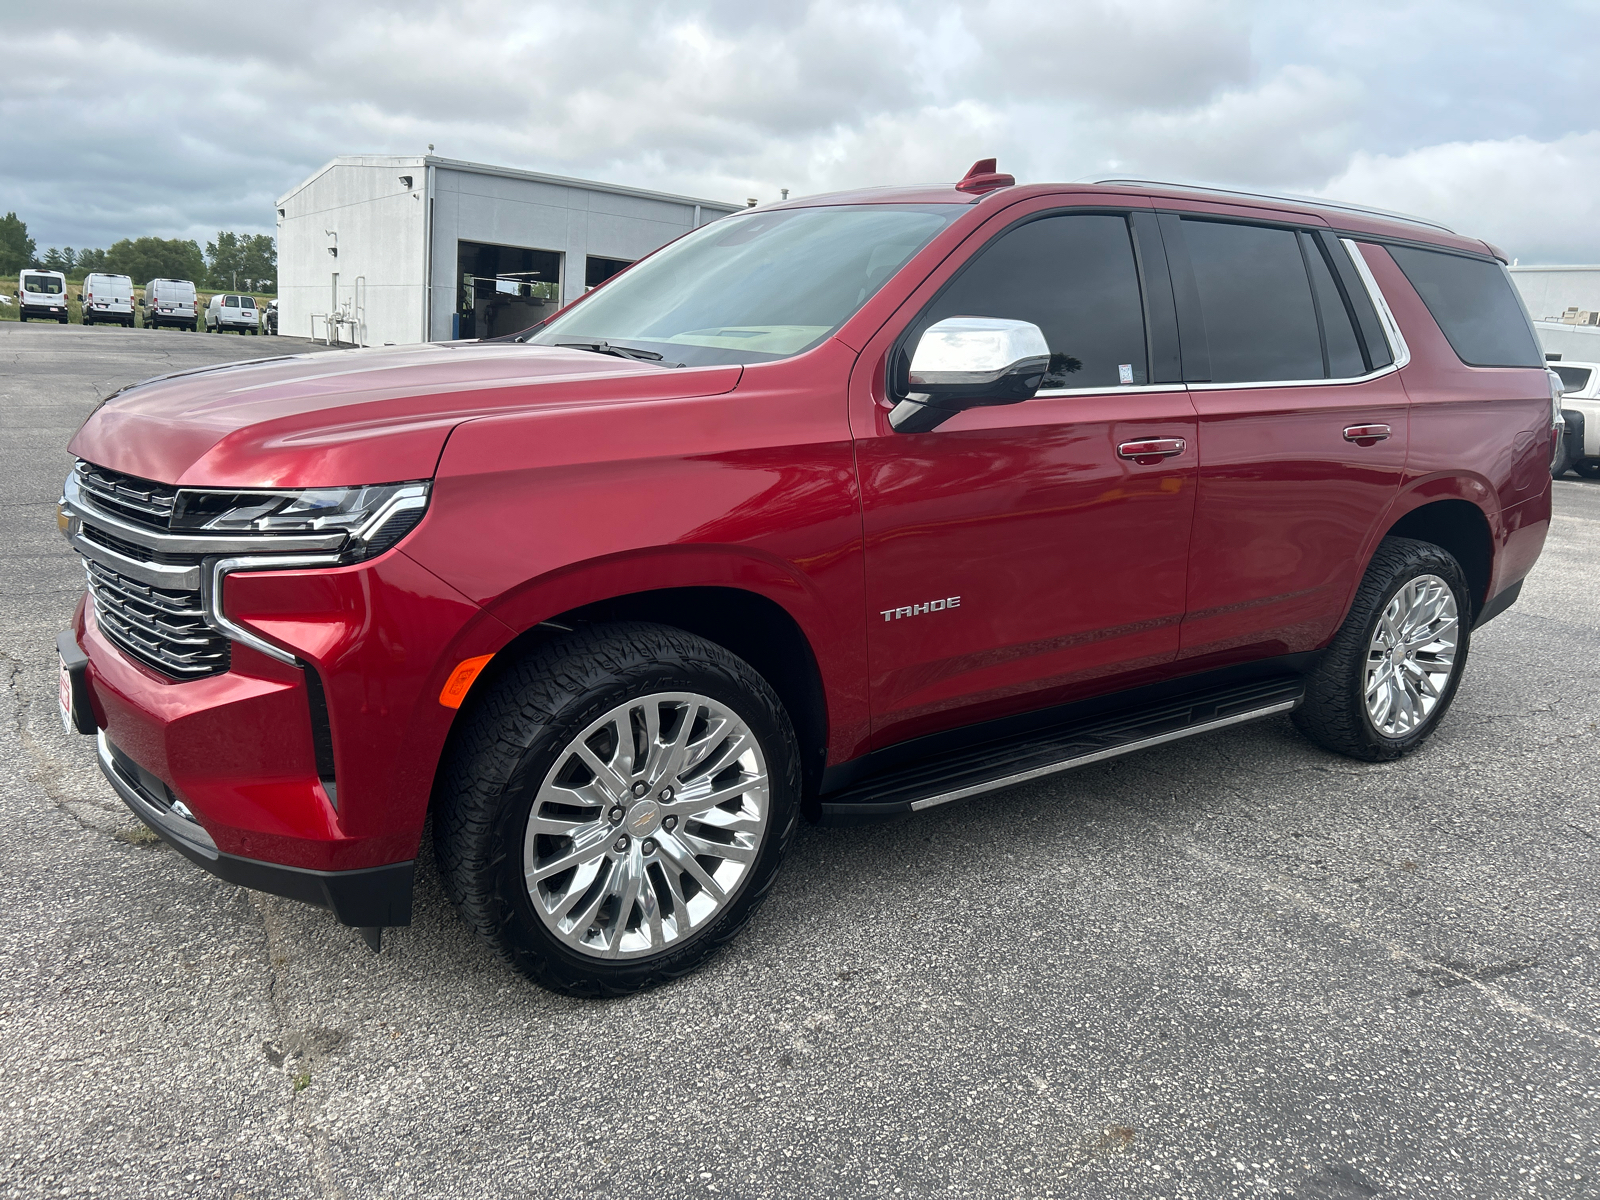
(1391, 327)
(1113, 389)
(1288, 383)
(211, 595)
(177, 543)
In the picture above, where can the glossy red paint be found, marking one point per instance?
(1286, 504)
(237, 747)
(352, 416)
(542, 511)
(563, 479)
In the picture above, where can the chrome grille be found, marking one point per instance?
(161, 627)
(127, 496)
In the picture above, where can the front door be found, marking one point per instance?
(1024, 555)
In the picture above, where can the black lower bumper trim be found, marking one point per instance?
(1498, 605)
(365, 898)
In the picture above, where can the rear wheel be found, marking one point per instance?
(616, 806)
(1392, 670)
(1589, 468)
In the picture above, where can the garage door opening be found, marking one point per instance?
(597, 270)
(504, 289)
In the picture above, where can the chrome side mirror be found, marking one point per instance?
(969, 362)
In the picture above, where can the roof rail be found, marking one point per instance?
(1318, 201)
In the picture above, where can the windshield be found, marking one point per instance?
(752, 288)
(41, 283)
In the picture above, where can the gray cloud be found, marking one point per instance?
(118, 120)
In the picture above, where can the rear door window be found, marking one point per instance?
(1475, 305)
(230, 302)
(1074, 276)
(1255, 301)
(1339, 334)
(246, 302)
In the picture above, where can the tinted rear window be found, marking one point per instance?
(1255, 298)
(1475, 305)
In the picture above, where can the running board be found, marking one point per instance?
(939, 779)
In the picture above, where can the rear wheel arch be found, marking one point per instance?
(1460, 527)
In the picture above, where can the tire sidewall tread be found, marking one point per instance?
(509, 736)
(1334, 713)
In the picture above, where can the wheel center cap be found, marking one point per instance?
(643, 818)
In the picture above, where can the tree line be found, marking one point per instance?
(233, 260)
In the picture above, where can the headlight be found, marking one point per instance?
(376, 516)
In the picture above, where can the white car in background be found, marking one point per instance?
(170, 302)
(107, 300)
(1580, 408)
(42, 294)
(228, 311)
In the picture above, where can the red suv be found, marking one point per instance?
(848, 506)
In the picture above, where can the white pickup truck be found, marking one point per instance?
(1580, 408)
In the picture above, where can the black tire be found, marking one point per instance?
(510, 736)
(87, 319)
(61, 320)
(1589, 468)
(1334, 714)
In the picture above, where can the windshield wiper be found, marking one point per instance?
(618, 351)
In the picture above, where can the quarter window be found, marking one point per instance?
(1476, 306)
(1255, 301)
(1075, 277)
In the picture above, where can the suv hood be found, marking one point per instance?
(353, 416)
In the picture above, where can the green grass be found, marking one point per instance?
(8, 312)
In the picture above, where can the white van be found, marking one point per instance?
(42, 294)
(232, 312)
(170, 302)
(107, 300)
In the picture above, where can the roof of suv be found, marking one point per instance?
(1338, 215)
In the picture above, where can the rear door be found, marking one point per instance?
(1302, 428)
(1015, 556)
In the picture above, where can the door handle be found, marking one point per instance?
(1148, 452)
(1366, 435)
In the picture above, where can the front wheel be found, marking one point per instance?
(1392, 670)
(615, 807)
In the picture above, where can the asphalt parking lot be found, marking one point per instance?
(1233, 966)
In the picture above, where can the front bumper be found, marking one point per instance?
(308, 778)
(373, 897)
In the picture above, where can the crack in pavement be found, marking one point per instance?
(1474, 978)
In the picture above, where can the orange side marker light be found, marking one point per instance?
(460, 681)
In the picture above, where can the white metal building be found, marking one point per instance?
(1564, 302)
(391, 250)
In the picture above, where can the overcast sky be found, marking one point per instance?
(178, 119)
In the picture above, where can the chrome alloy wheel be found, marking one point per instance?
(646, 825)
(1411, 656)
